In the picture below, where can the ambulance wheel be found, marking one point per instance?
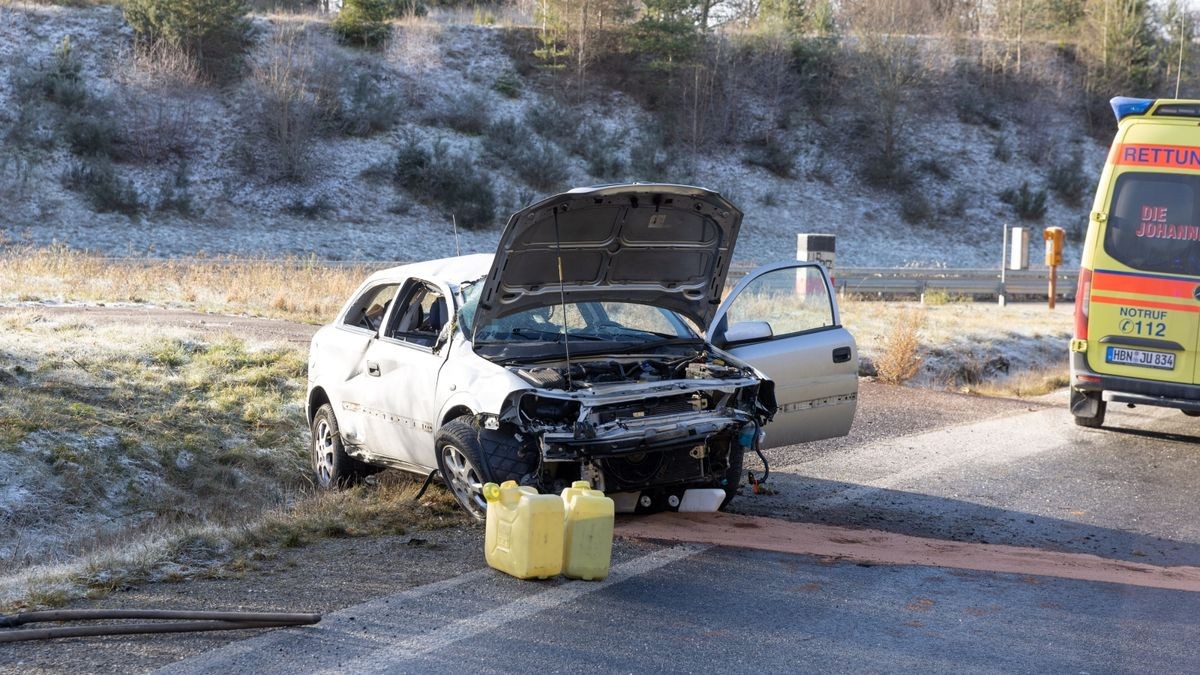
(1191, 413)
(1088, 408)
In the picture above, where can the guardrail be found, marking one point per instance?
(881, 282)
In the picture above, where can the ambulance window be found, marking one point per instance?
(1153, 223)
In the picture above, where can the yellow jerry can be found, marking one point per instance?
(524, 533)
(588, 534)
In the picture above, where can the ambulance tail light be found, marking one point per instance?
(1083, 303)
(1123, 106)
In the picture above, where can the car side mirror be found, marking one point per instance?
(744, 331)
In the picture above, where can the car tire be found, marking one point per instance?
(734, 474)
(1191, 413)
(1083, 402)
(460, 463)
(332, 467)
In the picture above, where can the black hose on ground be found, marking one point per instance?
(425, 485)
(178, 622)
(766, 466)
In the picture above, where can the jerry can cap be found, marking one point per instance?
(491, 492)
(582, 485)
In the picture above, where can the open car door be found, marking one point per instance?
(783, 320)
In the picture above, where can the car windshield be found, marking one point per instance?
(589, 326)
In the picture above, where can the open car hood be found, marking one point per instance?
(663, 245)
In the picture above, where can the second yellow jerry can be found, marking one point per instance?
(524, 533)
(588, 532)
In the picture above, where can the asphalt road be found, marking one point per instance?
(945, 534)
(1015, 474)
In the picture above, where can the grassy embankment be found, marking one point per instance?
(137, 453)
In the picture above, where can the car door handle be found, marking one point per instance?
(372, 369)
(841, 355)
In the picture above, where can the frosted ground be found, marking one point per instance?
(432, 62)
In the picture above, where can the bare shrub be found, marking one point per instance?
(1067, 178)
(900, 358)
(364, 108)
(107, 192)
(158, 129)
(650, 158)
(600, 149)
(282, 112)
(1027, 203)
(553, 120)
(772, 155)
(505, 138)
(415, 45)
(542, 164)
(889, 67)
(174, 195)
(448, 179)
(469, 113)
(158, 66)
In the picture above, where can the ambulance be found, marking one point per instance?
(1137, 307)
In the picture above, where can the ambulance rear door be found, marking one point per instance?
(1144, 319)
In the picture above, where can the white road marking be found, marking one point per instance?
(385, 660)
(280, 651)
(212, 660)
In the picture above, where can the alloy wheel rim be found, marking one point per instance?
(463, 480)
(323, 450)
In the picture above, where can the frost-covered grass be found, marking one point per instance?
(300, 290)
(207, 549)
(135, 453)
(1019, 349)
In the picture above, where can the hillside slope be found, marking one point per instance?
(191, 168)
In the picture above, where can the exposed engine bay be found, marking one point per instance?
(653, 426)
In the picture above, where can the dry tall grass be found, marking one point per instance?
(297, 289)
(900, 358)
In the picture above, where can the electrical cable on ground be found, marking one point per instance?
(759, 485)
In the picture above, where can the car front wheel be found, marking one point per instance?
(460, 463)
(333, 468)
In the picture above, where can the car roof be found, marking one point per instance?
(454, 270)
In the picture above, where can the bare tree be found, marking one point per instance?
(890, 66)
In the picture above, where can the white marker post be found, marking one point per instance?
(820, 248)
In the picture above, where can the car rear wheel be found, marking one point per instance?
(333, 468)
(1088, 408)
(1191, 413)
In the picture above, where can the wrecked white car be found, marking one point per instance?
(595, 344)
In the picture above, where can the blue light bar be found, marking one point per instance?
(1123, 106)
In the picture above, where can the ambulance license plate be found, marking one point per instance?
(1138, 357)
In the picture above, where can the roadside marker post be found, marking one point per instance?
(1054, 245)
(820, 248)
